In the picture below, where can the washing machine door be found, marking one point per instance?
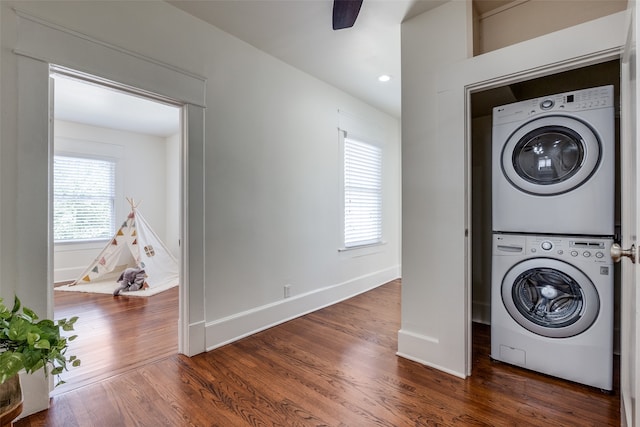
(550, 297)
(551, 155)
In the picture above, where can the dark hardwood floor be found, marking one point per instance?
(333, 367)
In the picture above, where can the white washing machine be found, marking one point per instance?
(552, 306)
(553, 164)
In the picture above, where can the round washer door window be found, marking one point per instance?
(550, 298)
(551, 155)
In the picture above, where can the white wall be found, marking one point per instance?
(272, 167)
(172, 193)
(433, 192)
(522, 21)
(146, 172)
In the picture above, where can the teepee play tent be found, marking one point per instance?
(135, 245)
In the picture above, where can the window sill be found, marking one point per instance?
(77, 245)
(371, 247)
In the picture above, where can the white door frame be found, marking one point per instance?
(629, 381)
(183, 173)
(513, 64)
(40, 44)
(469, 89)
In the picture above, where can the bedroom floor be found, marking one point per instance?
(116, 334)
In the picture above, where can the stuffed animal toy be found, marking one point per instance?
(131, 279)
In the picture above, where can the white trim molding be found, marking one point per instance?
(57, 45)
(38, 45)
(229, 329)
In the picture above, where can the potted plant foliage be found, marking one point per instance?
(28, 343)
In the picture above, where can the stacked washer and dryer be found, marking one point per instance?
(552, 288)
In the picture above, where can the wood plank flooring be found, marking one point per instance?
(116, 334)
(333, 367)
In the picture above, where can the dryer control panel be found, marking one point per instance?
(579, 100)
(577, 249)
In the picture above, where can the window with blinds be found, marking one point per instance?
(362, 193)
(83, 198)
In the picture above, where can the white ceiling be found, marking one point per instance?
(299, 33)
(81, 102)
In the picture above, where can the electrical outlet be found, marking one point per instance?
(287, 291)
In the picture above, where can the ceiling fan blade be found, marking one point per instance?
(345, 13)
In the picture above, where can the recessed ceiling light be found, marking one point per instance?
(384, 78)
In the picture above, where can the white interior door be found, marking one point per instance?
(630, 162)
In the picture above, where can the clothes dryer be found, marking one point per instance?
(552, 306)
(553, 164)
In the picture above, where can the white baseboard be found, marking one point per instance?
(196, 340)
(412, 345)
(226, 330)
(67, 274)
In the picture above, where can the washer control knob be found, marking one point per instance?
(574, 253)
(547, 104)
(599, 255)
(586, 254)
(546, 245)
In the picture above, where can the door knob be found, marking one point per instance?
(617, 253)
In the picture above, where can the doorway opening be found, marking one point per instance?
(140, 140)
(482, 103)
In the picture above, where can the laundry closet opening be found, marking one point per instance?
(113, 151)
(482, 104)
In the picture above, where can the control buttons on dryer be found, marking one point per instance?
(547, 104)
(546, 245)
(586, 254)
(599, 255)
(574, 253)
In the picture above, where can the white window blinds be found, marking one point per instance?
(362, 193)
(83, 198)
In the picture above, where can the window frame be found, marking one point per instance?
(114, 212)
(84, 146)
(379, 239)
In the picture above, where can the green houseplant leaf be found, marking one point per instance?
(31, 344)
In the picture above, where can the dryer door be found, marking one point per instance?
(550, 297)
(551, 155)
